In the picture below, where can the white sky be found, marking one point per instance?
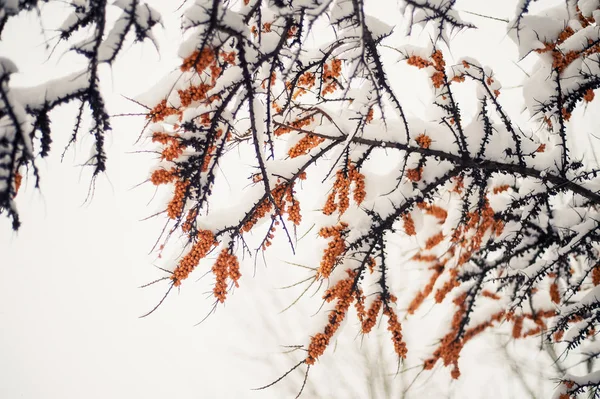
(69, 305)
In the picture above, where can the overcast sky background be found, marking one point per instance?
(69, 302)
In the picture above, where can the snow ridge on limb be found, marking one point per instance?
(11, 8)
(440, 13)
(489, 203)
(501, 216)
(26, 129)
(15, 144)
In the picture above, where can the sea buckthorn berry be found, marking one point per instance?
(160, 112)
(418, 62)
(18, 180)
(199, 60)
(226, 266)
(162, 176)
(369, 117)
(175, 207)
(341, 190)
(434, 210)
(343, 292)
(423, 140)
(395, 328)
(306, 143)
(205, 242)
(409, 225)
(335, 248)
(414, 174)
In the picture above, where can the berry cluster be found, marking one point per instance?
(175, 207)
(423, 140)
(330, 75)
(414, 175)
(163, 176)
(450, 347)
(335, 248)
(409, 224)
(205, 242)
(199, 61)
(438, 269)
(341, 190)
(305, 81)
(193, 93)
(173, 147)
(226, 266)
(283, 196)
(343, 292)
(303, 147)
(395, 328)
(18, 181)
(297, 124)
(161, 111)
(434, 210)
